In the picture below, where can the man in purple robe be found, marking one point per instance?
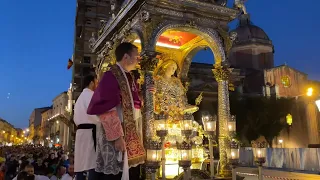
(116, 101)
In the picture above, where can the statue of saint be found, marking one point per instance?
(170, 96)
(240, 5)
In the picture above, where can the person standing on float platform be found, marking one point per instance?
(116, 101)
(85, 143)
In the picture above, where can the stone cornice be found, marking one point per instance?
(196, 7)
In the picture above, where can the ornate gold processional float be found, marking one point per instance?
(168, 33)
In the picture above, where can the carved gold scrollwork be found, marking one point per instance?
(149, 61)
(227, 39)
(148, 27)
(222, 73)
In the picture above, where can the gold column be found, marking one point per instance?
(148, 64)
(221, 74)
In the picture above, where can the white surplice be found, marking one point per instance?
(85, 154)
(67, 177)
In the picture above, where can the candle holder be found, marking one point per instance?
(153, 157)
(187, 125)
(185, 149)
(232, 126)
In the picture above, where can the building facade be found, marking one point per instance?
(45, 127)
(58, 121)
(35, 121)
(89, 15)
(8, 134)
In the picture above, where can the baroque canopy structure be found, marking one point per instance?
(172, 29)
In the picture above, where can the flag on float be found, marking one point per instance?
(70, 63)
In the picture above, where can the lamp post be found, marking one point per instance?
(233, 156)
(259, 153)
(210, 124)
(185, 149)
(162, 131)
(186, 125)
(153, 157)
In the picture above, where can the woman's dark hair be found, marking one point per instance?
(88, 79)
(122, 49)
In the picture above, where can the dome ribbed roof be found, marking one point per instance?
(247, 32)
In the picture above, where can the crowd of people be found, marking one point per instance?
(32, 162)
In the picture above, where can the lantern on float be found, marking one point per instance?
(259, 151)
(233, 153)
(161, 125)
(153, 157)
(232, 125)
(209, 123)
(185, 156)
(187, 125)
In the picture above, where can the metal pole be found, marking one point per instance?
(153, 176)
(211, 158)
(234, 173)
(185, 174)
(260, 173)
(163, 160)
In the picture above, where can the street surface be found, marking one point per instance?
(251, 174)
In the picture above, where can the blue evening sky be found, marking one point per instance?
(36, 40)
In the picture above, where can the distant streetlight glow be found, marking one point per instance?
(310, 92)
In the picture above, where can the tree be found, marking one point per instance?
(259, 116)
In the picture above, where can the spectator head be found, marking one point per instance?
(61, 170)
(39, 161)
(25, 176)
(52, 156)
(50, 172)
(29, 169)
(71, 170)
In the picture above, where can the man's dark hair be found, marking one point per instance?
(88, 79)
(25, 176)
(124, 48)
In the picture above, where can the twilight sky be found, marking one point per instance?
(36, 40)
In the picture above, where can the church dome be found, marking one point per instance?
(247, 33)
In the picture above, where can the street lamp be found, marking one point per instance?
(185, 149)
(210, 124)
(233, 156)
(259, 153)
(186, 125)
(280, 142)
(310, 91)
(153, 157)
(162, 131)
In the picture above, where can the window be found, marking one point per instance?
(88, 22)
(87, 59)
